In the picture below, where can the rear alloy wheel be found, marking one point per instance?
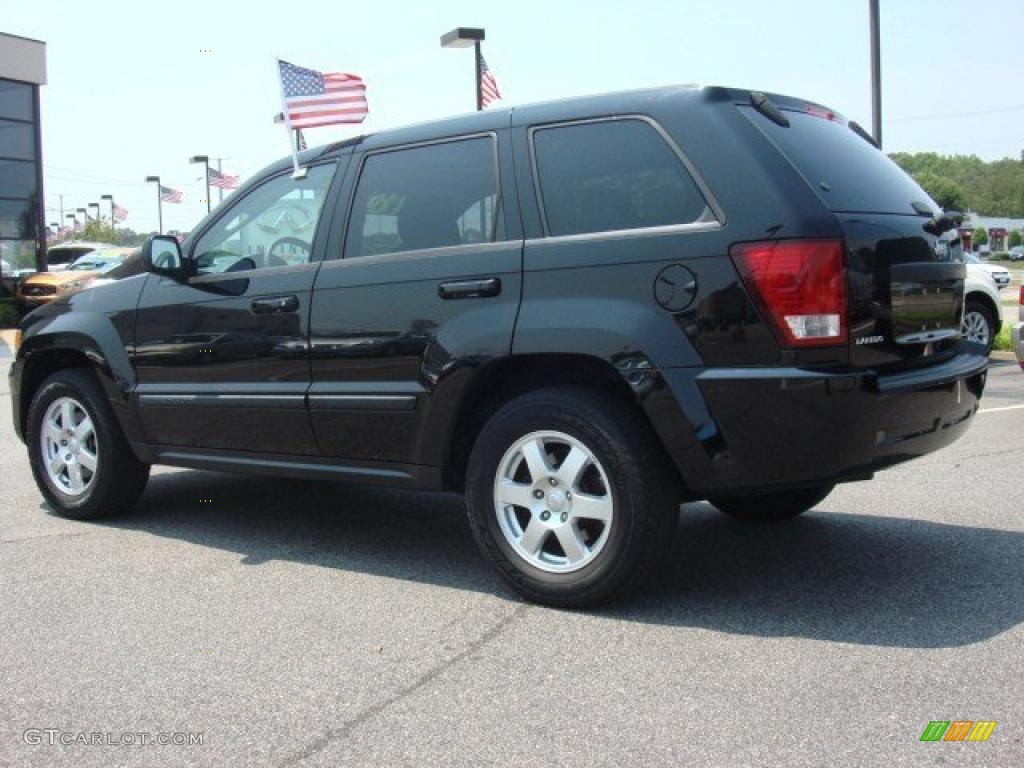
(772, 507)
(570, 496)
(979, 326)
(80, 459)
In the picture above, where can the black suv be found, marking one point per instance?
(578, 313)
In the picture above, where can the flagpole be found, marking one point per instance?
(297, 173)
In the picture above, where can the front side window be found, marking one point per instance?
(431, 196)
(272, 226)
(613, 175)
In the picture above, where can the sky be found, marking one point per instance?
(136, 88)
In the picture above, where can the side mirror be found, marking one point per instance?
(162, 256)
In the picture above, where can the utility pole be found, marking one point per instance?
(220, 190)
(876, 75)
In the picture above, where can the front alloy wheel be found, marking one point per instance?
(978, 325)
(69, 446)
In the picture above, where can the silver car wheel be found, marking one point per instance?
(553, 502)
(69, 445)
(975, 327)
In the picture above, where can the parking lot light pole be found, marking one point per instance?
(74, 223)
(85, 216)
(159, 203)
(876, 74)
(463, 37)
(205, 160)
(110, 199)
(97, 207)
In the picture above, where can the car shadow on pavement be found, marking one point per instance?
(864, 579)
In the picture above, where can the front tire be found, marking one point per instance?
(570, 496)
(81, 461)
(772, 507)
(979, 324)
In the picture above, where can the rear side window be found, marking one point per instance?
(847, 172)
(618, 174)
(431, 196)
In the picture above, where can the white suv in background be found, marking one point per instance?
(983, 316)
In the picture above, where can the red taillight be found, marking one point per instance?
(801, 286)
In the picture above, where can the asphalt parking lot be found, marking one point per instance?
(310, 624)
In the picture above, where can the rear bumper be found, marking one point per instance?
(761, 429)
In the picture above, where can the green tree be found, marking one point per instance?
(943, 190)
(980, 237)
(1014, 238)
(991, 189)
(98, 232)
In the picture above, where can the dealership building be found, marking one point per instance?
(22, 210)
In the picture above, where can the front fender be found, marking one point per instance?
(56, 335)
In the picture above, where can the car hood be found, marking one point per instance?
(59, 278)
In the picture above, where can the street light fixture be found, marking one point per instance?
(159, 202)
(74, 223)
(97, 207)
(463, 37)
(205, 160)
(110, 199)
(85, 216)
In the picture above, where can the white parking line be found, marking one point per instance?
(1002, 408)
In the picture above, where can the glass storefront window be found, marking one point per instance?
(15, 100)
(17, 178)
(17, 140)
(17, 220)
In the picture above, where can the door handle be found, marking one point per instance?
(270, 304)
(470, 289)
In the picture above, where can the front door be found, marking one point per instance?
(222, 359)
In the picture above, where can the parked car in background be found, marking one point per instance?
(44, 287)
(984, 251)
(1000, 275)
(1016, 253)
(983, 317)
(131, 265)
(63, 255)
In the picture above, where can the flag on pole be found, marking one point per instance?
(311, 98)
(489, 92)
(120, 214)
(222, 180)
(300, 141)
(169, 195)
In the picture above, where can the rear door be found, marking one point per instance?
(222, 359)
(420, 288)
(905, 294)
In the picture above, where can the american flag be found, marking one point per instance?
(489, 92)
(169, 195)
(222, 180)
(314, 98)
(120, 214)
(300, 141)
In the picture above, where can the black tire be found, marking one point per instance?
(120, 477)
(982, 309)
(644, 492)
(772, 507)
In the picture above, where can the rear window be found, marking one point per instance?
(612, 175)
(847, 172)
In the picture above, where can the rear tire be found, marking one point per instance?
(979, 324)
(570, 496)
(772, 507)
(81, 461)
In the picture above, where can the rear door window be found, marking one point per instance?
(848, 173)
(429, 196)
(612, 175)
